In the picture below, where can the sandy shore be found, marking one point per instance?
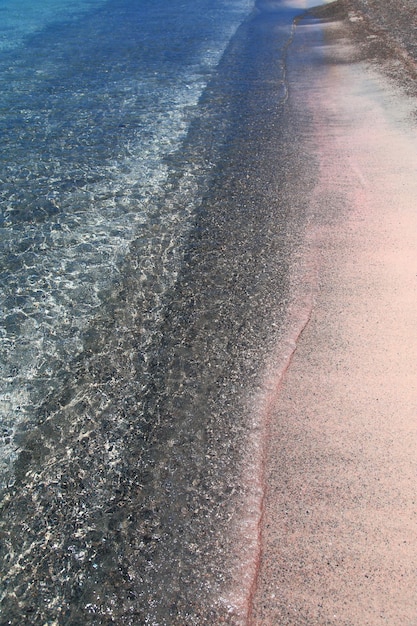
(339, 521)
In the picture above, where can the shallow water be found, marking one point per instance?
(146, 242)
(92, 107)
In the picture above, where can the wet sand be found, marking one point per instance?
(338, 532)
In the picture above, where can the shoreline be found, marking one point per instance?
(142, 493)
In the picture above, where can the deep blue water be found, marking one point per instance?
(146, 230)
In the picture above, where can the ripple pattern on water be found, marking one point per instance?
(94, 110)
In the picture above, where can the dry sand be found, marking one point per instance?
(339, 525)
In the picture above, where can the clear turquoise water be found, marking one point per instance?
(20, 18)
(94, 97)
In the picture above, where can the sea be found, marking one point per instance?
(144, 258)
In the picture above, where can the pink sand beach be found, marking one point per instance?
(338, 526)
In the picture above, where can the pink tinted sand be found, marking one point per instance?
(338, 540)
